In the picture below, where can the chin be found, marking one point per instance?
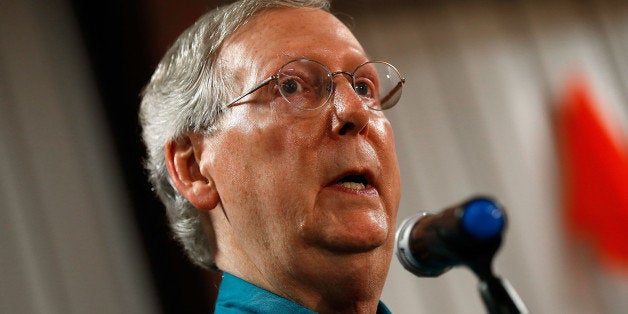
(347, 231)
(354, 240)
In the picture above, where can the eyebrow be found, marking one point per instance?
(293, 56)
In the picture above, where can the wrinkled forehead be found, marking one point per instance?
(275, 36)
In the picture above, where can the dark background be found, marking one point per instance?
(125, 40)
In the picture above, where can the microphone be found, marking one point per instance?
(468, 233)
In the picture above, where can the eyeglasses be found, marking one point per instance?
(308, 84)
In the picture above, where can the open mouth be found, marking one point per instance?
(354, 182)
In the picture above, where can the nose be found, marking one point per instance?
(351, 116)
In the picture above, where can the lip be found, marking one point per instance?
(371, 185)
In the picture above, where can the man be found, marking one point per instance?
(268, 144)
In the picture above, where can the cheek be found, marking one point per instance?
(389, 162)
(267, 162)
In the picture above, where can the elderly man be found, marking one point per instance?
(267, 142)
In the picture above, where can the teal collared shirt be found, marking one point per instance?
(238, 296)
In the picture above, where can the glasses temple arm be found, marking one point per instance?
(250, 91)
(393, 91)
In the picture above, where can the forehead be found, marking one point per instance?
(275, 36)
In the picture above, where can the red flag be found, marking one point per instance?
(595, 173)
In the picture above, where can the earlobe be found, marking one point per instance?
(185, 173)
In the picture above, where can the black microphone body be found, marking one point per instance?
(469, 233)
(466, 234)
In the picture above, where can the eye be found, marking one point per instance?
(362, 89)
(290, 86)
(365, 88)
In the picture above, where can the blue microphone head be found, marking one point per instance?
(483, 219)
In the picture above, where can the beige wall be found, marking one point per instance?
(483, 78)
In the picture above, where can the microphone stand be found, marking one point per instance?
(498, 294)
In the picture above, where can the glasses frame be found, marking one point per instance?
(331, 75)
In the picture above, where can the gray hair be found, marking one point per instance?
(187, 93)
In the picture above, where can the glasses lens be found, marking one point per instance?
(379, 84)
(305, 84)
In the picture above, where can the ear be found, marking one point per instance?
(182, 161)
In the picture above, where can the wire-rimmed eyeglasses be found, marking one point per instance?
(308, 84)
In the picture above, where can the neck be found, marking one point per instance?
(351, 284)
(346, 284)
(323, 281)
